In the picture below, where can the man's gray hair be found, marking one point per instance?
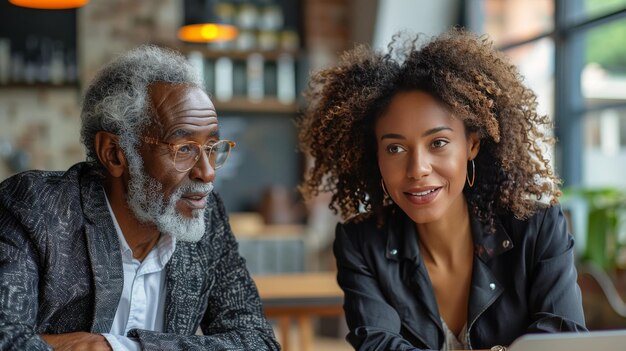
(117, 99)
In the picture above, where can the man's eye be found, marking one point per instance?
(394, 149)
(186, 148)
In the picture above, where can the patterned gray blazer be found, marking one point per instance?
(61, 271)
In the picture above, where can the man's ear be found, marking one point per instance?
(110, 154)
(473, 145)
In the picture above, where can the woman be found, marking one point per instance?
(436, 155)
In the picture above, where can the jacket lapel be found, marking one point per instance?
(485, 288)
(422, 319)
(425, 323)
(104, 253)
(183, 288)
(484, 291)
(186, 284)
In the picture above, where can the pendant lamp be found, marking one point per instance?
(203, 25)
(49, 4)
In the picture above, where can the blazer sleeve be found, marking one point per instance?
(555, 300)
(234, 319)
(373, 323)
(19, 281)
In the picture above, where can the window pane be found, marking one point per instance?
(603, 82)
(580, 10)
(603, 78)
(536, 63)
(508, 21)
(604, 153)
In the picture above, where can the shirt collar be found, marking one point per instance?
(165, 247)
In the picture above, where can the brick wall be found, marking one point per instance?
(44, 122)
(327, 28)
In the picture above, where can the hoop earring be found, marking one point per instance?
(471, 182)
(382, 185)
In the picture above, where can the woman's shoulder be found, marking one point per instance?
(367, 227)
(360, 226)
(542, 213)
(547, 222)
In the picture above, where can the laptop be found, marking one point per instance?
(607, 340)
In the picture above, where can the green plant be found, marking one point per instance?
(605, 208)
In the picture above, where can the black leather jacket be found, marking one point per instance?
(523, 281)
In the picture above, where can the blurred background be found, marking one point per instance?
(571, 52)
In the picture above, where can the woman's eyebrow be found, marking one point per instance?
(426, 133)
(436, 130)
(392, 136)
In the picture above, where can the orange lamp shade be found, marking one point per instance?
(207, 32)
(49, 4)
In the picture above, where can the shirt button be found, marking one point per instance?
(506, 244)
(492, 286)
(393, 252)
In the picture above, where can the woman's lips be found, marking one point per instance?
(422, 196)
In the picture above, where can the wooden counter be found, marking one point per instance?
(299, 297)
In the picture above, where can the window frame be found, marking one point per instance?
(569, 59)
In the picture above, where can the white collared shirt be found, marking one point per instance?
(142, 303)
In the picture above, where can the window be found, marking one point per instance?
(573, 55)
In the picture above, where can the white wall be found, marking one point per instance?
(430, 17)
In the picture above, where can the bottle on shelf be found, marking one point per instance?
(31, 62)
(224, 79)
(57, 64)
(286, 79)
(5, 60)
(254, 75)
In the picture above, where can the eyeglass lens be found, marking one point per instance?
(188, 154)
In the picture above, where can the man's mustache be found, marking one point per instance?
(204, 188)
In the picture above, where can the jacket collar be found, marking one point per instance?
(104, 251)
(402, 242)
(106, 261)
(402, 246)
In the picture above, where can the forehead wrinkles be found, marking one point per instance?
(170, 102)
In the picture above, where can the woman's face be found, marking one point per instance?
(422, 154)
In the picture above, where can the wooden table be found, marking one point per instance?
(299, 297)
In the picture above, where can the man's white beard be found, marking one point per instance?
(146, 201)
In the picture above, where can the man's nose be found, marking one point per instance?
(203, 171)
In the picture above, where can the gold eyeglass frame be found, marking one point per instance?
(174, 149)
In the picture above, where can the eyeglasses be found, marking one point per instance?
(187, 154)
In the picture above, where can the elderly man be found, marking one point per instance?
(131, 249)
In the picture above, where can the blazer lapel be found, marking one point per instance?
(104, 253)
(184, 286)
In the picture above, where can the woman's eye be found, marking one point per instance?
(394, 149)
(439, 143)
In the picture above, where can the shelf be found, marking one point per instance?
(271, 55)
(242, 104)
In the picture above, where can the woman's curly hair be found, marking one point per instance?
(466, 74)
